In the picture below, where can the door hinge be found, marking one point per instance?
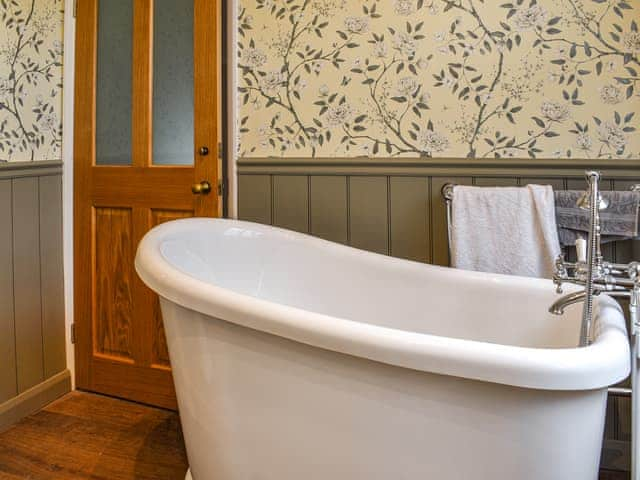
(220, 151)
(73, 333)
(75, 8)
(222, 187)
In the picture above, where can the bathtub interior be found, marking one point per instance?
(313, 275)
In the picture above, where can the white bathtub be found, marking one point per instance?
(299, 359)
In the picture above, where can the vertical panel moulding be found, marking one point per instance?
(271, 200)
(52, 276)
(410, 218)
(254, 198)
(328, 207)
(291, 202)
(348, 187)
(389, 226)
(369, 219)
(8, 376)
(27, 288)
(309, 226)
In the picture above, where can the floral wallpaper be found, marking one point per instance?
(439, 78)
(30, 80)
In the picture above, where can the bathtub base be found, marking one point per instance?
(253, 405)
(188, 475)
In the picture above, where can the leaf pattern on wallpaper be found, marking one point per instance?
(439, 78)
(30, 80)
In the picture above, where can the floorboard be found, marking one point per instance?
(86, 436)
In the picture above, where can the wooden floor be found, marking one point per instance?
(86, 436)
(605, 475)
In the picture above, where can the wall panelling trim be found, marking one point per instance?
(395, 207)
(32, 342)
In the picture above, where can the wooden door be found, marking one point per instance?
(125, 184)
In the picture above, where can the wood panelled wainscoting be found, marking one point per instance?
(395, 207)
(32, 339)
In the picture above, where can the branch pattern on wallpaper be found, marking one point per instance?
(30, 80)
(439, 78)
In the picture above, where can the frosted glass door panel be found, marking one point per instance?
(113, 85)
(173, 83)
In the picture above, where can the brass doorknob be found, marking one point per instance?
(202, 188)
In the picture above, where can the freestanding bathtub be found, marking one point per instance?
(299, 359)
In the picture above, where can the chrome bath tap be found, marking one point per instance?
(559, 305)
(590, 270)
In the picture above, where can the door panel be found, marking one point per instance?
(121, 190)
(113, 238)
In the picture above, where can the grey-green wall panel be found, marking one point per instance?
(328, 207)
(410, 218)
(32, 335)
(26, 283)
(254, 198)
(291, 202)
(369, 213)
(8, 382)
(51, 275)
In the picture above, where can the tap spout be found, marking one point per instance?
(559, 305)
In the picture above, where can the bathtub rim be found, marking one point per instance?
(601, 364)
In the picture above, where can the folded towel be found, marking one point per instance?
(505, 230)
(620, 221)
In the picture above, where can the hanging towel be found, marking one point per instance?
(505, 230)
(620, 221)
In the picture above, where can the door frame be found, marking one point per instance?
(68, 122)
(83, 154)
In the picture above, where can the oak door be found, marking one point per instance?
(146, 141)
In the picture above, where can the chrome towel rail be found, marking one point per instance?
(447, 195)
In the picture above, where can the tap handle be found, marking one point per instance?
(581, 250)
(634, 272)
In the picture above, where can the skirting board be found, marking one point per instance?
(616, 455)
(34, 399)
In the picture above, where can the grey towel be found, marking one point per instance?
(620, 221)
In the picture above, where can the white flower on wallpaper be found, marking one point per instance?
(439, 78)
(30, 80)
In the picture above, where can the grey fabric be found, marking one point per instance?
(620, 221)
